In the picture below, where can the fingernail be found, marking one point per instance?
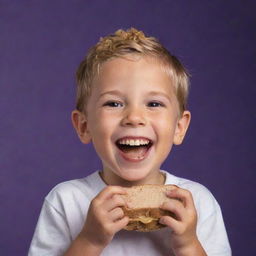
(169, 192)
(162, 205)
(128, 204)
(161, 221)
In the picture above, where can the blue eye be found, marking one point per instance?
(113, 104)
(155, 104)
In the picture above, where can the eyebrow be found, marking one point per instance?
(159, 93)
(151, 93)
(113, 92)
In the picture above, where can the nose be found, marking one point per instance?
(134, 116)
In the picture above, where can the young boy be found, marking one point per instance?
(131, 104)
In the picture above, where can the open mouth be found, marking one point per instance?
(134, 149)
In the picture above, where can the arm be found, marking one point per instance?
(184, 240)
(104, 219)
(195, 248)
(81, 247)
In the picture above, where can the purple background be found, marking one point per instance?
(41, 45)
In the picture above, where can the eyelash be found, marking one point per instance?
(113, 104)
(155, 104)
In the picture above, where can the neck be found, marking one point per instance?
(114, 180)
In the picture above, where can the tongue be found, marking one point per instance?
(135, 152)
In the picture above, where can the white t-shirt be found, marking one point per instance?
(65, 208)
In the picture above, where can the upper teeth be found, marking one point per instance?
(131, 142)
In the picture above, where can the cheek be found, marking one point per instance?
(165, 130)
(165, 124)
(102, 126)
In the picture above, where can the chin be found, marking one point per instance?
(136, 176)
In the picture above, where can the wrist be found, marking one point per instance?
(193, 248)
(81, 246)
(89, 242)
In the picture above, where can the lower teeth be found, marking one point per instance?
(134, 152)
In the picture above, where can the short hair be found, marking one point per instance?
(121, 44)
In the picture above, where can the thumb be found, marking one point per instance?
(120, 224)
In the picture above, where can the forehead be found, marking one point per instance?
(133, 69)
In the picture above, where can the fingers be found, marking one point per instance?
(115, 201)
(116, 214)
(174, 224)
(183, 195)
(176, 207)
(117, 220)
(120, 224)
(107, 204)
(182, 205)
(109, 191)
(105, 216)
(109, 198)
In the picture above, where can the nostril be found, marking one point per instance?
(134, 120)
(134, 123)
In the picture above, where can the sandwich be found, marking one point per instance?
(143, 206)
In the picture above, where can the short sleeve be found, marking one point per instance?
(52, 235)
(212, 232)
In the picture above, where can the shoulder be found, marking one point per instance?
(74, 191)
(204, 200)
(210, 226)
(192, 186)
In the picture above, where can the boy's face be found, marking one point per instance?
(133, 119)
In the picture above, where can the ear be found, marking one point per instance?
(181, 127)
(80, 124)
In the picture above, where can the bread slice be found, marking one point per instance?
(144, 202)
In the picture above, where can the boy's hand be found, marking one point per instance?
(184, 240)
(105, 217)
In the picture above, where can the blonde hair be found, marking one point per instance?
(121, 44)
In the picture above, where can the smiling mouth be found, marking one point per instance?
(134, 149)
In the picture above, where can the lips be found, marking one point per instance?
(134, 148)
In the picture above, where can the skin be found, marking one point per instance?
(133, 98)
